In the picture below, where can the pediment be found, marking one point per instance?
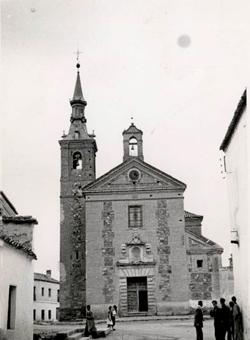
(148, 178)
(200, 242)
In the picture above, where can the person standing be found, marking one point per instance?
(230, 334)
(109, 319)
(198, 321)
(215, 313)
(238, 327)
(90, 328)
(113, 316)
(225, 317)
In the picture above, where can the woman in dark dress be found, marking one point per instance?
(90, 328)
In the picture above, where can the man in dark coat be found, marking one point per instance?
(238, 325)
(216, 314)
(198, 321)
(225, 318)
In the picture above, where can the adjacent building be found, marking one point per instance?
(125, 236)
(16, 278)
(235, 146)
(46, 297)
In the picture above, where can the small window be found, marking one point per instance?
(133, 147)
(42, 314)
(34, 293)
(34, 314)
(77, 254)
(135, 216)
(58, 292)
(42, 291)
(49, 292)
(77, 134)
(199, 263)
(49, 314)
(77, 160)
(11, 308)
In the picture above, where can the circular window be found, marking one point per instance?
(134, 175)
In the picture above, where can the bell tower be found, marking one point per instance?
(78, 151)
(132, 143)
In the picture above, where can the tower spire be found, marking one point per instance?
(78, 96)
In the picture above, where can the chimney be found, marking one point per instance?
(48, 273)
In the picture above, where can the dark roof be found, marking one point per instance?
(8, 201)
(132, 129)
(19, 219)
(236, 118)
(188, 214)
(44, 277)
(17, 245)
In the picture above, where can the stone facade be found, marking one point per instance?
(139, 248)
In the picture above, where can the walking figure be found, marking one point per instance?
(198, 321)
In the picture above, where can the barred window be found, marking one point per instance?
(135, 216)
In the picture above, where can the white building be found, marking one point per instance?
(46, 297)
(16, 272)
(236, 149)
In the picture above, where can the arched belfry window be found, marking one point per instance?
(77, 160)
(133, 147)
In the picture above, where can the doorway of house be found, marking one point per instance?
(137, 294)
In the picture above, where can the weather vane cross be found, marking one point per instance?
(132, 120)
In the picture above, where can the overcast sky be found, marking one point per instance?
(177, 67)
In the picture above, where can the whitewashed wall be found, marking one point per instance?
(237, 167)
(16, 269)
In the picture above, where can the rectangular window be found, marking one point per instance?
(42, 291)
(42, 314)
(199, 263)
(57, 313)
(34, 314)
(34, 293)
(49, 314)
(135, 216)
(11, 308)
(49, 292)
(58, 295)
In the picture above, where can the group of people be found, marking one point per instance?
(90, 328)
(227, 320)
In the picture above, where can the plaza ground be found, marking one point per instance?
(168, 329)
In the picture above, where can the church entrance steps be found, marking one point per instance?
(78, 334)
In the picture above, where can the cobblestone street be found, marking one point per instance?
(160, 330)
(165, 329)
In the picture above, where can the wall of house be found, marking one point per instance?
(21, 232)
(45, 302)
(163, 229)
(17, 270)
(226, 283)
(237, 168)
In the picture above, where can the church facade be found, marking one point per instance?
(125, 236)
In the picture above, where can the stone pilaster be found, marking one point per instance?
(164, 269)
(108, 251)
